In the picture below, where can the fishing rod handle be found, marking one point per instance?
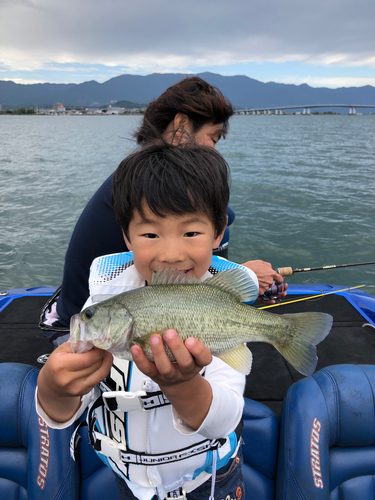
(285, 271)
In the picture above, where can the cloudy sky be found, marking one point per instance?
(324, 43)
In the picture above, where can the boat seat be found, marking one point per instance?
(327, 436)
(260, 435)
(35, 462)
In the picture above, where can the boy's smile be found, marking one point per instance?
(182, 242)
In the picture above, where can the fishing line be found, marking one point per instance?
(309, 298)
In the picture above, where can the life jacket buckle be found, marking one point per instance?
(106, 446)
(122, 401)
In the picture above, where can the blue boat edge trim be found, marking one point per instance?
(7, 296)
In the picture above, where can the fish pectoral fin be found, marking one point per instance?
(158, 332)
(143, 340)
(240, 358)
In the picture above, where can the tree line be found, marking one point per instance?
(20, 111)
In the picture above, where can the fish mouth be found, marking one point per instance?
(77, 340)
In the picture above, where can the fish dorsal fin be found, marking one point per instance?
(169, 276)
(237, 282)
(240, 358)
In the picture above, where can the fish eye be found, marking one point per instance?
(89, 313)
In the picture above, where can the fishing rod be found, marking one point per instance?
(289, 271)
(271, 293)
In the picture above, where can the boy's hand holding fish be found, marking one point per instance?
(67, 376)
(189, 393)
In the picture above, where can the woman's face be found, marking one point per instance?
(208, 135)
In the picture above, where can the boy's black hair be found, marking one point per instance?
(172, 180)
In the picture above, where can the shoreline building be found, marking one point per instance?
(58, 107)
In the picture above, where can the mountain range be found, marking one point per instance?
(242, 91)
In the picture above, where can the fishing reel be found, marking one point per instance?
(274, 290)
(271, 293)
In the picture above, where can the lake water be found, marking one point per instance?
(303, 190)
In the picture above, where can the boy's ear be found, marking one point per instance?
(127, 242)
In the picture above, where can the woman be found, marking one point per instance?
(192, 107)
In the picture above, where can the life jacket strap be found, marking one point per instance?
(154, 400)
(118, 452)
(179, 494)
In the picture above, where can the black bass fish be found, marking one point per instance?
(212, 311)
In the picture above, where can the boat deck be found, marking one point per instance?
(271, 376)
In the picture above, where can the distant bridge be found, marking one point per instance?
(306, 109)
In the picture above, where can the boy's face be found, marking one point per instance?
(182, 242)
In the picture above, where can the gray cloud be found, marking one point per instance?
(179, 33)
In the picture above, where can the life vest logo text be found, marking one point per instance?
(315, 453)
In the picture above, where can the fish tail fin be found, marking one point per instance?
(305, 332)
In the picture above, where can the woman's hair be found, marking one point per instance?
(172, 180)
(192, 96)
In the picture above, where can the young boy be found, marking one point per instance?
(164, 428)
